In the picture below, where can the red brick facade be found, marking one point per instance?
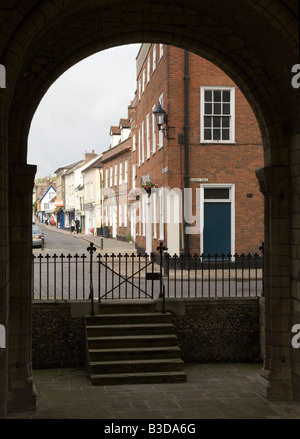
(178, 78)
(184, 156)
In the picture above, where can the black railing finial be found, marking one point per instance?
(91, 249)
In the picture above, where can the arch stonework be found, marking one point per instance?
(254, 42)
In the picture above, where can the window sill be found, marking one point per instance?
(217, 143)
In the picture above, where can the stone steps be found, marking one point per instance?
(132, 344)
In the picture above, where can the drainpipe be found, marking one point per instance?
(186, 136)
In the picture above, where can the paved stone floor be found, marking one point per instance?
(212, 391)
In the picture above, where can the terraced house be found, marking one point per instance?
(202, 158)
(116, 161)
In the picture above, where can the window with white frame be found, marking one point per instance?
(154, 58)
(126, 171)
(106, 178)
(120, 173)
(148, 69)
(139, 146)
(148, 135)
(143, 81)
(217, 114)
(161, 133)
(133, 142)
(161, 50)
(161, 213)
(142, 141)
(140, 88)
(153, 131)
(116, 175)
(111, 176)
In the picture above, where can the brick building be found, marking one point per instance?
(116, 179)
(210, 145)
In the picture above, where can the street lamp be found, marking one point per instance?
(162, 118)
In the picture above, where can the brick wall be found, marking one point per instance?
(219, 163)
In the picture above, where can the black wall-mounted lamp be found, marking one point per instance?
(161, 119)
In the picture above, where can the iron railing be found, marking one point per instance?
(102, 276)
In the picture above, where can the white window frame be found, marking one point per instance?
(203, 89)
(140, 88)
(143, 141)
(143, 80)
(148, 136)
(126, 171)
(106, 178)
(161, 51)
(116, 175)
(148, 69)
(231, 200)
(154, 58)
(139, 146)
(111, 176)
(121, 173)
(133, 142)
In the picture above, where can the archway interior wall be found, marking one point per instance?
(62, 39)
(54, 35)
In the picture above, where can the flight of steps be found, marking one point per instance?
(132, 344)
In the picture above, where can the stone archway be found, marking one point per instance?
(256, 44)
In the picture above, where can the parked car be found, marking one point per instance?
(38, 239)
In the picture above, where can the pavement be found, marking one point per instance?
(212, 391)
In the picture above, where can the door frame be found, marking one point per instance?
(230, 200)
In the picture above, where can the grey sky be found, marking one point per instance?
(77, 111)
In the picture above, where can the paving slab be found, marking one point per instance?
(212, 391)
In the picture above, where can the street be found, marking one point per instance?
(62, 272)
(58, 242)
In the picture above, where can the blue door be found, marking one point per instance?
(217, 228)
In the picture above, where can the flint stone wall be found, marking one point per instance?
(208, 330)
